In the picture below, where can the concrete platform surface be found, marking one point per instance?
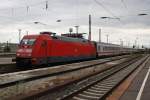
(138, 90)
(6, 60)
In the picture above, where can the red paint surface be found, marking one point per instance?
(46, 46)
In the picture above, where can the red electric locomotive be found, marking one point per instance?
(47, 48)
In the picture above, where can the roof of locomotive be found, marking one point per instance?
(65, 38)
(70, 39)
(57, 37)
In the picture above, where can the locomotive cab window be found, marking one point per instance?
(27, 42)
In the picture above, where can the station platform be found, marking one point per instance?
(139, 89)
(6, 60)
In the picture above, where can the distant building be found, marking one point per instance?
(8, 47)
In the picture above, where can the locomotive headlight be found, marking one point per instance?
(29, 54)
(34, 60)
(29, 50)
(18, 54)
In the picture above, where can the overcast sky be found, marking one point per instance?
(21, 14)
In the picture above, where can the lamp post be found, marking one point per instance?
(121, 42)
(77, 28)
(89, 28)
(27, 32)
(136, 42)
(99, 35)
(107, 37)
(19, 35)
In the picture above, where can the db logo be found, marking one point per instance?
(76, 50)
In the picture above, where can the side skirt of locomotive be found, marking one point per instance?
(49, 60)
(23, 62)
(53, 60)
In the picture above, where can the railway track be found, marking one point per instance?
(22, 83)
(6, 64)
(102, 87)
(11, 67)
(7, 68)
(68, 90)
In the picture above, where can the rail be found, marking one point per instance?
(102, 87)
(53, 76)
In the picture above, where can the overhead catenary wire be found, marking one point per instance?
(107, 10)
(124, 4)
(27, 7)
(46, 6)
(19, 7)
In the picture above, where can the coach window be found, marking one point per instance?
(99, 48)
(104, 48)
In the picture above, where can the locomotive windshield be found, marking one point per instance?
(27, 42)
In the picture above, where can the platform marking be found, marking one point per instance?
(143, 85)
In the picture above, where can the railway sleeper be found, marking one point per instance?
(89, 97)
